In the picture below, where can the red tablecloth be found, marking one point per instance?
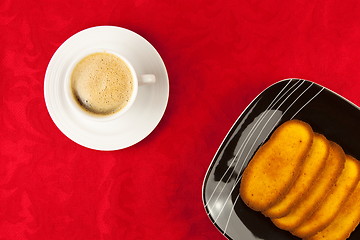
(219, 56)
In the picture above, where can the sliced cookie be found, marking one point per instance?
(276, 165)
(332, 204)
(313, 164)
(345, 222)
(317, 192)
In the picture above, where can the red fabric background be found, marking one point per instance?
(219, 56)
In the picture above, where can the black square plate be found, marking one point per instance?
(327, 112)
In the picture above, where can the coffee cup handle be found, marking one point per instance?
(147, 79)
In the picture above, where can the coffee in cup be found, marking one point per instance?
(102, 84)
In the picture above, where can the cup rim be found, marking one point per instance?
(75, 105)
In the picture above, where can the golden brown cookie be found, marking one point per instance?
(345, 222)
(276, 165)
(332, 204)
(317, 192)
(313, 164)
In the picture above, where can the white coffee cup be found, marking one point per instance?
(137, 80)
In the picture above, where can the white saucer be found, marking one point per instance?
(139, 121)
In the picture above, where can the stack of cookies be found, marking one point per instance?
(304, 183)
